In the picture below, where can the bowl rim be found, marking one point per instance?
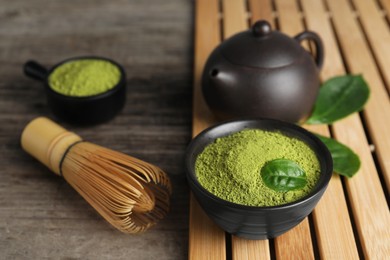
(121, 83)
(320, 185)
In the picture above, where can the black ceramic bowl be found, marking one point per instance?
(257, 222)
(87, 110)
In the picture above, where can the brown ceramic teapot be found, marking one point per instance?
(263, 73)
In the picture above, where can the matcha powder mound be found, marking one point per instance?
(230, 167)
(84, 77)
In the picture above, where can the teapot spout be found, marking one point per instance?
(214, 73)
(221, 78)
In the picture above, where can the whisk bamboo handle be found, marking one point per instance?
(47, 142)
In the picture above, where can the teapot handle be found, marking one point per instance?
(309, 35)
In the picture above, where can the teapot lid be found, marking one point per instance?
(261, 47)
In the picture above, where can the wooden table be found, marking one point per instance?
(352, 220)
(41, 216)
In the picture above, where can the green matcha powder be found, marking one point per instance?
(230, 167)
(84, 77)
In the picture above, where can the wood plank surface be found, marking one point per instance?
(377, 31)
(386, 7)
(234, 17)
(335, 240)
(244, 249)
(261, 10)
(207, 37)
(233, 22)
(41, 216)
(333, 206)
(206, 240)
(370, 209)
(360, 60)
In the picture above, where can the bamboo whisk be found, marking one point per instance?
(129, 193)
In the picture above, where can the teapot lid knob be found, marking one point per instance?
(261, 28)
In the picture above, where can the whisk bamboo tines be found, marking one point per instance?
(129, 193)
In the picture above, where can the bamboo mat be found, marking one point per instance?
(352, 220)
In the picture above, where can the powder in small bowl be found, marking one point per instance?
(230, 167)
(84, 77)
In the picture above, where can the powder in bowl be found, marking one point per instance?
(84, 77)
(230, 167)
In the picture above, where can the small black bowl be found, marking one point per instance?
(87, 110)
(249, 221)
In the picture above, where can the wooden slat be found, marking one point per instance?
(206, 240)
(261, 10)
(386, 6)
(297, 240)
(207, 37)
(335, 241)
(370, 210)
(321, 219)
(243, 249)
(367, 199)
(234, 17)
(289, 17)
(359, 60)
(378, 33)
(235, 20)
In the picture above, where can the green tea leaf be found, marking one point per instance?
(339, 97)
(345, 161)
(283, 175)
